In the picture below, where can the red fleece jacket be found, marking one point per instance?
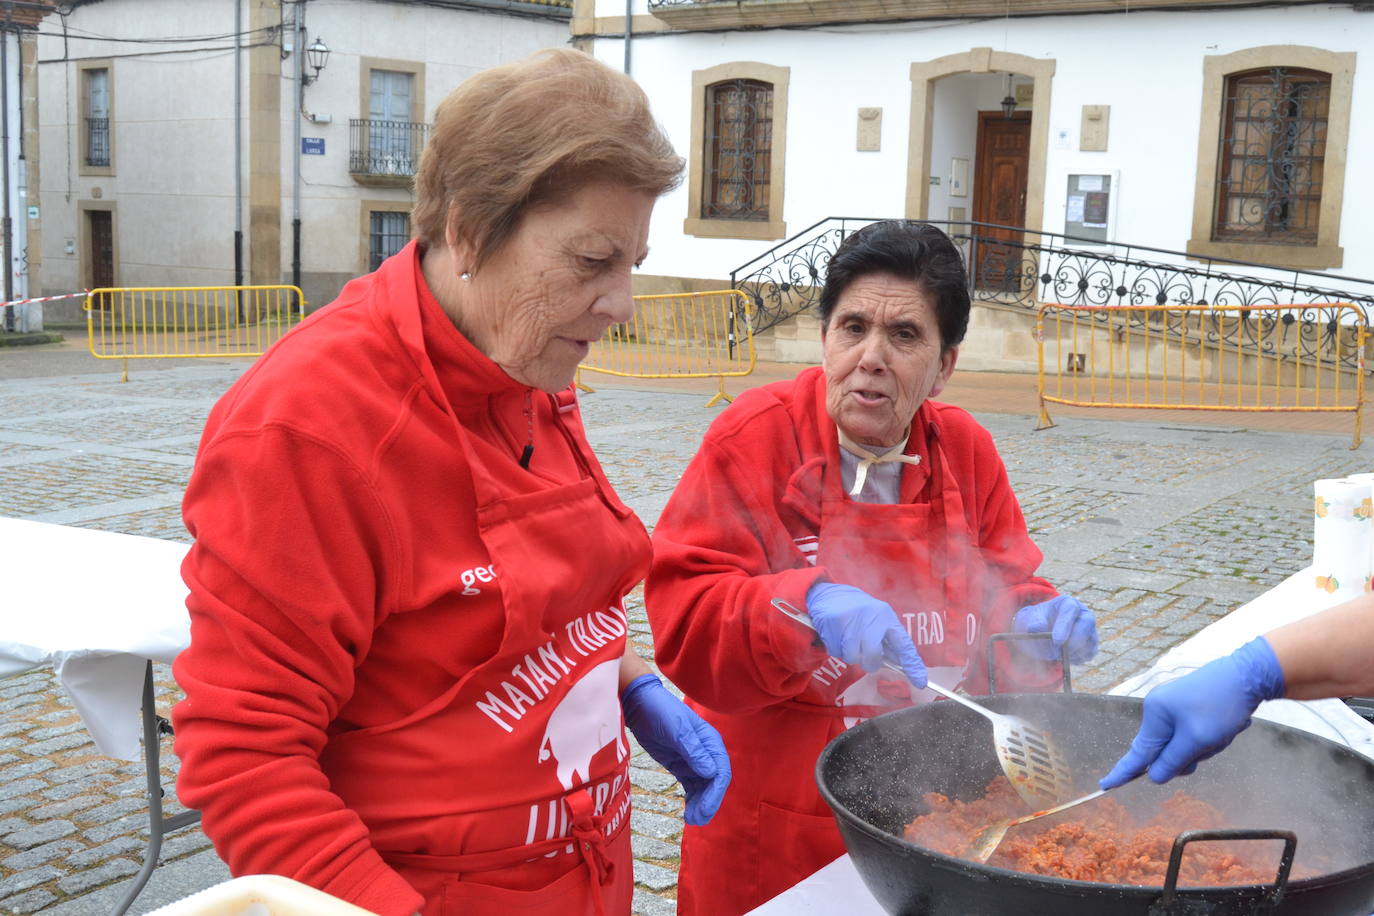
(338, 586)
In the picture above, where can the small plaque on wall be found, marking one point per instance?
(870, 130)
(1093, 134)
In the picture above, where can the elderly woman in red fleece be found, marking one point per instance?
(409, 680)
(887, 516)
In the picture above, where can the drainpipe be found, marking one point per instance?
(6, 222)
(629, 29)
(238, 145)
(298, 89)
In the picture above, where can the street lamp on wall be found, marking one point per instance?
(317, 55)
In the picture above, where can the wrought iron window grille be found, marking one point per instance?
(388, 233)
(1273, 151)
(98, 141)
(739, 148)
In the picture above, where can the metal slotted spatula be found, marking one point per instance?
(1038, 771)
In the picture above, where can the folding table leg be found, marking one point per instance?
(153, 730)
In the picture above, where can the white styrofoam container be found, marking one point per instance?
(260, 895)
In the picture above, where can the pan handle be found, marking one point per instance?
(995, 638)
(1170, 902)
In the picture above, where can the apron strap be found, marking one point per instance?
(587, 837)
(868, 458)
(591, 843)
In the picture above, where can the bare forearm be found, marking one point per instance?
(1330, 654)
(631, 666)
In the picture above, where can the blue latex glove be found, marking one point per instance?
(681, 741)
(1066, 620)
(1185, 721)
(860, 630)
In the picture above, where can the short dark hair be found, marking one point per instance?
(910, 250)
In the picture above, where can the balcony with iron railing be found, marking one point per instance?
(385, 152)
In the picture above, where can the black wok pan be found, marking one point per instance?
(1273, 778)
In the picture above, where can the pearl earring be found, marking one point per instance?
(465, 276)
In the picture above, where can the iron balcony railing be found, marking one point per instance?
(385, 148)
(98, 141)
(1024, 267)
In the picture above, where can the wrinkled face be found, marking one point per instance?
(881, 356)
(561, 279)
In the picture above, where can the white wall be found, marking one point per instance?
(1146, 66)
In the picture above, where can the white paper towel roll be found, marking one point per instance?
(1342, 536)
(1367, 480)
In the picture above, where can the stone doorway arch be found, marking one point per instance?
(978, 60)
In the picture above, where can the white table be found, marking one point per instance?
(98, 606)
(101, 608)
(835, 889)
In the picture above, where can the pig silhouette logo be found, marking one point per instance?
(877, 688)
(586, 720)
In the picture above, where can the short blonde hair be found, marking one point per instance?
(529, 132)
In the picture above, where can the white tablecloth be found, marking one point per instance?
(97, 606)
(836, 890)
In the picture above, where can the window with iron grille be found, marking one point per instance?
(96, 101)
(738, 153)
(388, 233)
(1272, 157)
(390, 142)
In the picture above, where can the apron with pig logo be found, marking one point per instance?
(541, 718)
(919, 558)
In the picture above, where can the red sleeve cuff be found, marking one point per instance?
(792, 644)
(373, 885)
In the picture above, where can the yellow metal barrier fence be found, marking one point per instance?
(1204, 357)
(681, 335)
(187, 322)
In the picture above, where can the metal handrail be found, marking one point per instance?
(1041, 266)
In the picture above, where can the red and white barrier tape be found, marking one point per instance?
(81, 294)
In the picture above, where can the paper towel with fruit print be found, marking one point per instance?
(1342, 536)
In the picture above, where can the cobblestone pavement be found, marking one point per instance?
(1159, 529)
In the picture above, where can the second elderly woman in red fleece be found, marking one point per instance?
(408, 679)
(887, 516)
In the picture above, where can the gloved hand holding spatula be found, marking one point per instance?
(861, 630)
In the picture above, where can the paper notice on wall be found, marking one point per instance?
(1075, 210)
(1095, 209)
(1341, 536)
(1090, 182)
